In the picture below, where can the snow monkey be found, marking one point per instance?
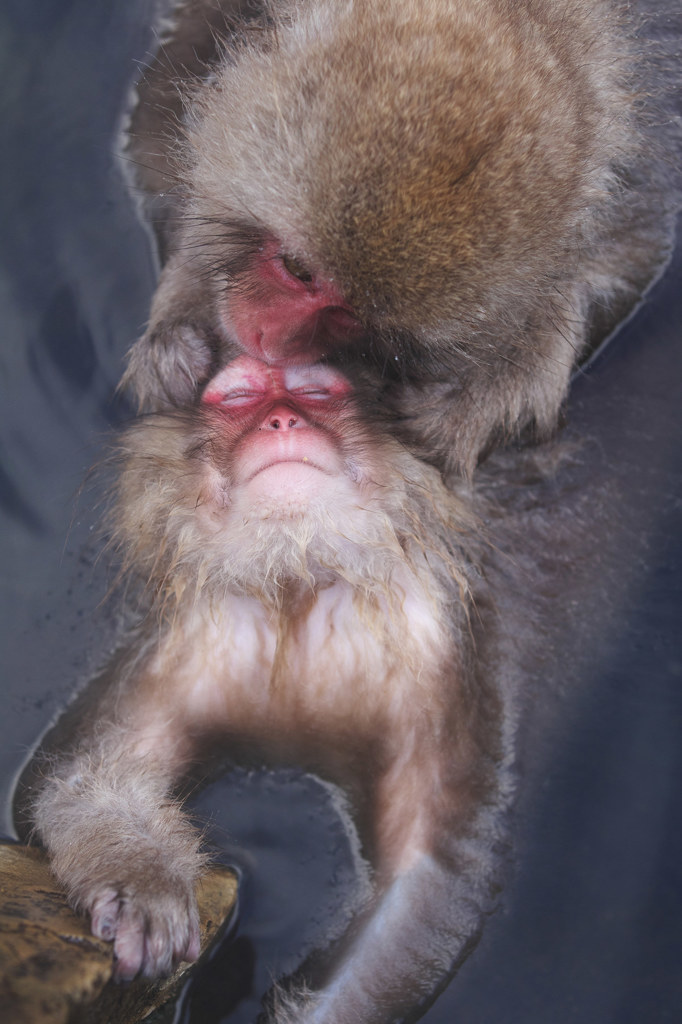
(310, 592)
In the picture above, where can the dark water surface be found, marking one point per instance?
(589, 930)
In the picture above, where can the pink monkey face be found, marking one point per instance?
(297, 317)
(282, 424)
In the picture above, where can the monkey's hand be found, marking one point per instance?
(128, 857)
(173, 359)
(153, 924)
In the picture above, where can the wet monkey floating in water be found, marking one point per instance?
(381, 262)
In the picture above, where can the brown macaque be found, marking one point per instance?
(310, 585)
(465, 194)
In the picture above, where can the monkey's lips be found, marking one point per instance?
(289, 464)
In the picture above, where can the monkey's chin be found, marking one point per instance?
(290, 488)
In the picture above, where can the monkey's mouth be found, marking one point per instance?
(284, 485)
(305, 463)
(295, 452)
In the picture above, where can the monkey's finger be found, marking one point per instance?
(193, 944)
(129, 946)
(185, 936)
(104, 915)
(159, 950)
(171, 934)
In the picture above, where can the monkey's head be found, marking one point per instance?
(282, 440)
(276, 478)
(424, 189)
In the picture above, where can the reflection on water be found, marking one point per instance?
(589, 927)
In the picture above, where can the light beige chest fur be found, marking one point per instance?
(344, 658)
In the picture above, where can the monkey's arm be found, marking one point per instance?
(440, 815)
(421, 927)
(117, 839)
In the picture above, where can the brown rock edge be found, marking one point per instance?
(53, 971)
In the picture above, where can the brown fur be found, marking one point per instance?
(476, 186)
(484, 187)
(334, 635)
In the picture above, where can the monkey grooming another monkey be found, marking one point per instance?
(390, 229)
(467, 194)
(309, 585)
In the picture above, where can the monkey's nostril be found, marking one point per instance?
(277, 423)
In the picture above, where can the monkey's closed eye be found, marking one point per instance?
(311, 392)
(240, 397)
(296, 269)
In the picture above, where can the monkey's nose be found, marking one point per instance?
(283, 417)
